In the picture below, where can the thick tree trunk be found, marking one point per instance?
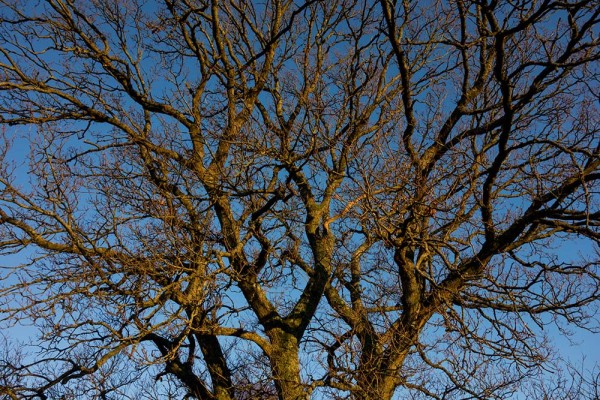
(285, 365)
(380, 371)
(217, 367)
(377, 385)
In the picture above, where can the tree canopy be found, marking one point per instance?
(282, 199)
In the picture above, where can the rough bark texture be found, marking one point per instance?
(286, 366)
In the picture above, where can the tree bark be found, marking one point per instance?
(285, 365)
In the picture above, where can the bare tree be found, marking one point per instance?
(235, 199)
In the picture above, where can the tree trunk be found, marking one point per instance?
(285, 365)
(380, 375)
(377, 385)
